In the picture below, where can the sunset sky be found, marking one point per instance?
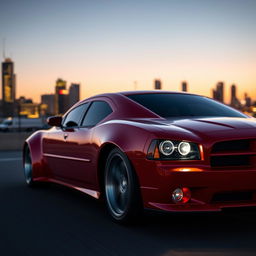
(108, 45)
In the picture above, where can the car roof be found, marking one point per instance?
(126, 106)
(127, 93)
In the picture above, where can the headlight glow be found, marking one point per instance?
(184, 148)
(166, 147)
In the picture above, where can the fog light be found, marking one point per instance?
(177, 195)
(181, 195)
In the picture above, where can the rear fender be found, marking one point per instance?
(34, 142)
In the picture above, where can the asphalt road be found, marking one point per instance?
(53, 220)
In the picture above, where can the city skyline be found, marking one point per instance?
(218, 93)
(64, 98)
(106, 46)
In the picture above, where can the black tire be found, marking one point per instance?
(28, 167)
(122, 193)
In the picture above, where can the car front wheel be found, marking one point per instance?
(121, 188)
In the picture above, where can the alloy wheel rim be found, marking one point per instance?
(117, 186)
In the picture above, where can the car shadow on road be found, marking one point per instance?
(229, 228)
(58, 214)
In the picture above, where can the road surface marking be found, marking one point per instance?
(10, 159)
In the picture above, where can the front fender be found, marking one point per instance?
(130, 139)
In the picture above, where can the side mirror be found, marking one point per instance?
(54, 121)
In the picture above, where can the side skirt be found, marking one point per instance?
(90, 192)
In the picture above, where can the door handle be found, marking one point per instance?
(65, 136)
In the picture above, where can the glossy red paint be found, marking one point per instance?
(74, 157)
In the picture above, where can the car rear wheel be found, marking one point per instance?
(28, 167)
(121, 188)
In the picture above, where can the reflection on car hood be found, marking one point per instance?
(214, 124)
(204, 127)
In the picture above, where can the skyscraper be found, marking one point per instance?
(158, 84)
(74, 94)
(8, 88)
(233, 95)
(234, 102)
(61, 97)
(218, 93)
(184, 86)
(248, 100)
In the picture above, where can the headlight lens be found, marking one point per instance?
(166, 147)
(173, 150)
(184, 148)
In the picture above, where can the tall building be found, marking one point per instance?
(184, 86)
(218, 93)
(248, 100)
(8, 88)
(233, 95)
(74, 94)
(61, 97)
(48, 101)
(158, 84)
(234, 102)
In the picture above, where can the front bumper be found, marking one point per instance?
(158, 179)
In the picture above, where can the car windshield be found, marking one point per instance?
(169, 105)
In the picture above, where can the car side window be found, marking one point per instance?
(74, 117)
(97, 112)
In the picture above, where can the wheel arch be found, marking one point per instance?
(34, 143)
(129, 139)
(103, 155)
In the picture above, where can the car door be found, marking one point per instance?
(97, 112)
(71, 154)
(61, 149)
(80, 165)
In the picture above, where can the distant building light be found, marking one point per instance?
(33, 116)
(63, 92)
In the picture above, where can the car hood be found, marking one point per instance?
(203, 128)
(213, 124)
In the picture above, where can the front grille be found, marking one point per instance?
(233, 145)
(232, 197)
(234, 153)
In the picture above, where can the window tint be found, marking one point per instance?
(74, 116)
(184, 105)
(97, 112)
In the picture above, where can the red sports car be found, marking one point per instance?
(156, 150)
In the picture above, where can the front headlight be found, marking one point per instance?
(184, 148)
(166, 147)
(173, 150)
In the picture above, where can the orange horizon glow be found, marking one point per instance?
(105, 82)
(103, 76)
